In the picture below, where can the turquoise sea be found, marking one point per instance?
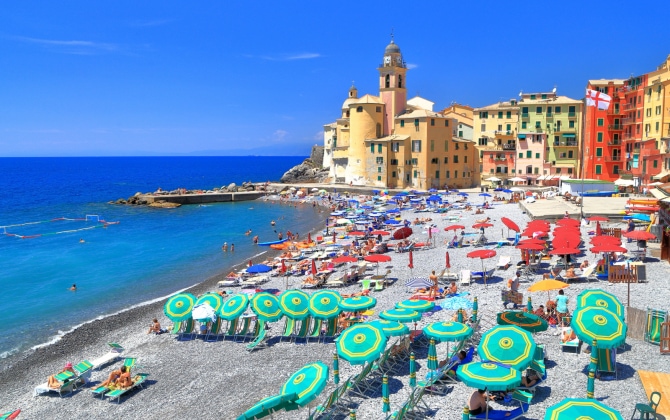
(149, 254)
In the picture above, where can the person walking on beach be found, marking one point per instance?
(434, 287)
(561, 305)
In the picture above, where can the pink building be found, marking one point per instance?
(530, 163)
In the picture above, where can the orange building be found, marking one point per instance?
(603, 131)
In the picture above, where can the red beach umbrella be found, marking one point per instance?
(377, 258)
(608, 248)
(344, 259)
(313, 268)
(283, 267)
(565, 242)
(564, 251)
(534, 232)
(605, 239)
(402, 233)
(309, 237)
(530, 247)
(599, 230)
(411, 260)
(356, 233)
(598, 219)
(541, 224)
(447, 262)
(532, 241)
(454, 227)
(510, 224)
(380, 232)
(482, 225)
(482, 254)
(250, 263)
(567, 230)
(640, 235)
(568, 222)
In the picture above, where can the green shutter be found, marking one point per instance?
(372, 147)
(379, 148)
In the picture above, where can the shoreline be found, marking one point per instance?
(94, 329)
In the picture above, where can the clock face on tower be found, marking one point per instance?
(387, 59)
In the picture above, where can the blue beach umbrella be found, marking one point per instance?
(485, 195)
(258, 268)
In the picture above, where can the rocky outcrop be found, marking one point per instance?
(307, 171)
(164, 205)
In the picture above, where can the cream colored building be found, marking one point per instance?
(464, 129)
(388, 141)
(495, 134)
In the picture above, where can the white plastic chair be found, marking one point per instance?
(465, 277)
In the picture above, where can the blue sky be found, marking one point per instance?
(82, 78)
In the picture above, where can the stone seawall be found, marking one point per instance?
(204, 198)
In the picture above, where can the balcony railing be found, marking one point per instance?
(628, 107)
(565, 144)
(538, 129)
(614, 111)
(572, 114)
(614, 143)
(550, 117)
(509, 146)
(613, 159)
(629, 120)
(525, 115)
(631, 136)
(615, 127)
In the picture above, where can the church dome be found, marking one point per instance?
(348, 102)
(392, 48)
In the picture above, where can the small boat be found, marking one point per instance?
(281, 241)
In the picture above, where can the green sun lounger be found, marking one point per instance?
(259, 340)
(289, 327)
(214, 328)
(241, 334)
(231, 329)
(304, 329)
(316, 329)
(652, 332)
(188, 328)
(138, 381)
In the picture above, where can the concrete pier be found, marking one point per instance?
(205, 198)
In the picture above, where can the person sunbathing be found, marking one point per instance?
(479, 211)
(530, 379)
(453, 289)
(584, 264)
(540, 312)
(123, 381)
(568, 335)
(54, 383)
(113, 376)
(460, 358)
(570, 273)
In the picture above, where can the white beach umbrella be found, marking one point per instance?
(516, 189)
(516, 179)
(492, 179)
(203, 313)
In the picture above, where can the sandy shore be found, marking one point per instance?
(197, 379)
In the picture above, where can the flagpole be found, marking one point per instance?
(581, 159)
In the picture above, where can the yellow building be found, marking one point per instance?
(464, 117)
(388, 141)
(656, 118)
(494, 132)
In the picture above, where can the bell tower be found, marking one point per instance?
(392, 81)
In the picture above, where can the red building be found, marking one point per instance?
(603, 132)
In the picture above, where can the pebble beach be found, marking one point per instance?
(193, 378)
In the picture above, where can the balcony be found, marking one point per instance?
(572, 114)
(550, 117)
(613, 158)
(614, 143)
(566, 144)
(614, 110)
(525, 115)
(538, 129)
(615, 127)
(631, 136)
(509, 146)
(628, 107)
(629, 120)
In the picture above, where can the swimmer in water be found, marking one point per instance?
(232, 247)
(272, 223)
(73, 288)
(81, 241)
(224, 248)
(248, 232)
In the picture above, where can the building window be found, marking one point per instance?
(416, 145)
(571, 111)
(500, 114)
(380, 160)
(599, 151)
(599, 169)
(508, 128)
(571, 124)
(615, 169)
(372, 147)
(483, 127)
(655, 165)
(432, 145)
(435, 160)
(446, 123)
(379, 178)
(483, 141)
(379, 148)
(415, 161)
(657, 126)
(538, 110)
(529, 154)
(446, 174)
(394, 161)
(557, 110)
(600, 137)
(509, 114)
(393, 174)
(537, 155)
(416, 122)
(402, 123)
(446, 160)
(523, 125)
(532, 97)
(446, 145)
(359, 109)
(569, 154)
(415, 173)
(432, 121)
(601, 122)
(455, 158)
(379, 130)
(524, 111)
(437, 174)
(395, 146)
(455, 174)
(536, 170)
(465, 159)
(520, 155)
(460, 133)
(378, 109)
(387, 82)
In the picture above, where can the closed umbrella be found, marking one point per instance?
(178, 307)
(597, 323)
(400, 315)
(447, 260)
(411, 260)
(386, 406)
(432, 356)
(601, 299)
(295, 304)
(357, 303)
(269, 405)
(360, 343)
(313, 267)
(577, 408)
(234, 306)
(307, 383)
(509, 345)
(391, 328)
(412, 370)
(266, 307)
(325, 304)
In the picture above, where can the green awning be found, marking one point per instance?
(522, 136)
(569, 135)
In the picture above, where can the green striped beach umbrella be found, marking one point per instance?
(357, 303)
(361, 343)
(400, 315)
(489, 376)
(178, 307)
(391, 328)
(528, 321)
(268, 405)
(509, 345)
(386, 406)
(294, 303)
(416, 305)
(432, 355)
(234, 306)
(447, 331)
(601, 299)
(212, 299)
(596, 323)
(412, 370)
(266, 307)
(307, 383)
(325, 304)
(582, 409)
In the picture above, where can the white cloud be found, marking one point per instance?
(153, 22)
(279, 135)
(285, 57)
(411, 66)
(71, 46)
(318, 136)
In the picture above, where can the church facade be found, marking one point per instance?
(388, 141)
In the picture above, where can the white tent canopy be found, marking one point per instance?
(624, 182)
(493, 179)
